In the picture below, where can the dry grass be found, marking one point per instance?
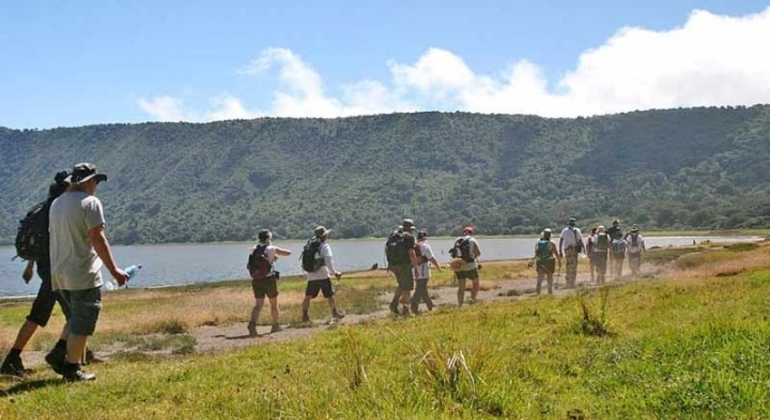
(721, 263)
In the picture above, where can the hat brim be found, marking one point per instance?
(99, 178)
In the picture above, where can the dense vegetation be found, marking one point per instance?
(703, 168)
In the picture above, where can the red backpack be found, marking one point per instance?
(259, 265)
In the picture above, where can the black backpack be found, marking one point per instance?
(311, 256)
(462, 249)
(32, 235)
(259, 265)
(396, 249)
(418, 253)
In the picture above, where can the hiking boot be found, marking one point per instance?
(77, 375)
(90, 357)
(306, 319)
(56, 358)
(252, 327)
(337, 314)
(394, 308)
(13, 366)
(276, 328)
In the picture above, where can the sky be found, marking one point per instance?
(83, 62)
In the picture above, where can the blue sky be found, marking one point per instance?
(91, 62)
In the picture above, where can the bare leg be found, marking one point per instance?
(26, 331)
(460, 291)
(474, 289)
(76, 345)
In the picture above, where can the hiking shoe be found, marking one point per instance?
(337, 314)
(90, 357)
(252, 327)
(394, 308)
(276, 328)
(56, 358)
(306, 319)
(78, 376)
(13, 366)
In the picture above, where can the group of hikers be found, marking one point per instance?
(69, 246)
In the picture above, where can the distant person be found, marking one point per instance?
(42, 306)
(636, 247)
(619, 249)
(590, 252)
(599, 249)
(402, 262)
(546, 255)
(614, 232)
(318, 263)
(570, 245)
(425, 258)
(78, 249)
(264, 279)
(465, 253)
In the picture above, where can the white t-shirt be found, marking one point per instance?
(475, 250)
(74, 263)
(639, 243)
(570, 236)
(326, 270)
(423, 270)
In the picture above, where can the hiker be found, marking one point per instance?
(464, 255)
(590, 241)
(614, 232)
(318, 263)
(619, 248)
(425, 258)
(546, 255)
(78, 250)
(45, 300)
(402, 262)
(265, 254)
(570, 245)
(600, 245)
(635, 242)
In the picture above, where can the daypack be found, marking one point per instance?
(618, 247)
(32, 234)
(311, 256)
(259, 265)
(602, 242)
(462, 249)
(396, 249)
(418, 253)
(634, 239)
(543, 251)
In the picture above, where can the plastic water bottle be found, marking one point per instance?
(131, 270)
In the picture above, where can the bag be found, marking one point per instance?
(397, 249)
(418, 253)
(259, 265)
(579, 243)
(311, 257)
(543, 250)
(618, 247)
(32, 235)
(634, 239)
(602, 242)
(462, 249)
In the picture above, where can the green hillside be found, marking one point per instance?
(180, 182)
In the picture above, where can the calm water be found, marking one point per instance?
(165, 265)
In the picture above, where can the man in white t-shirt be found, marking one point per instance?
(265, 285)
(425, 258)
(635, 242)
(319, 280)
(570, 245)
(466, 252)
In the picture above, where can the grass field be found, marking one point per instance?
(693, 343)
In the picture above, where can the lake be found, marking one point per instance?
(167, 265)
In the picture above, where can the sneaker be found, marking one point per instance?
(56, 358)
(338, 314)
(276, 328)
(252, 327)
(78, 376)
(13, 366)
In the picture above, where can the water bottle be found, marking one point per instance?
(131, 270)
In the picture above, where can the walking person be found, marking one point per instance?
(570, 245)
(264, 279)
(402, 262)
(46, 298)
(465, 253)
(600, 249)
(425, 258)
(78, 249)
(318, 263)
(546, 255)
(636, 247)
(590, 242)
(614, 232)
(619, 248)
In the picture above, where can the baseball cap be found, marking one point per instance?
(468, 229)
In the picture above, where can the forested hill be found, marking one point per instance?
(505, 174)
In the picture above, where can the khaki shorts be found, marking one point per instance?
(265, 287)
(404, 276)
(470, 274)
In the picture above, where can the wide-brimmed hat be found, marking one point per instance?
(572, 221)
(407, 224)
(321, 232)
(83, 172)
(635, 228)
(600, 228)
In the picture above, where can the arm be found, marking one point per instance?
(561, 246)
(413, 258)
(282, 252)
(435, 263)
(326, 253)
(102, 248)
(27, 274)
(554, 252)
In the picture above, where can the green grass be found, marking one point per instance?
(691, 347)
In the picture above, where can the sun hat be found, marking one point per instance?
(321, 232)
(572, 221)
(83, 172)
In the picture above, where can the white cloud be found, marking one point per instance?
(710, 60)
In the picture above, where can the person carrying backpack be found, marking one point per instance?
(619, 248)
(546, 255)
(570, 245)
(635, 242)
(264, 279)
(425, 257)
(318, 263)
(600, 247)
(464, 254)
(402, 262)
(590, 251)
(614, 232)
(46, 298)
